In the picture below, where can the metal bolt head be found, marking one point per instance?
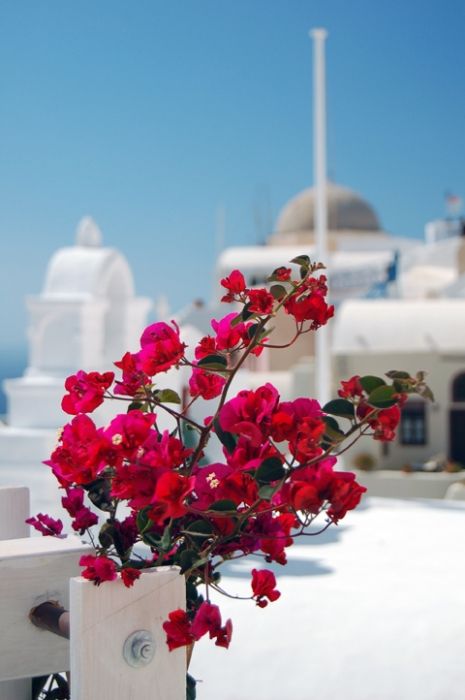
(139, 649)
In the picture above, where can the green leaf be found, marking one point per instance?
(383, 397)
(396, 374)
(267, 491)
(223, 505)
(278, 291)
(216, 362)
(302, 260)
(252, 330)
(269, 470)
(200, 528)
(369, 383)
(152, 539)
(333, 431)
(236, 321)
(190, 688)
(165, 542)
(340, 407)
(186, 559)
(427, 394)
(227, 439)
(246, 313)
(99, 494)
(143, 521)
(135, 405)
(168, 396)
(105, 535)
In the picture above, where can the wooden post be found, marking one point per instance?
(118, 646)
(33, 570)
(14, 510)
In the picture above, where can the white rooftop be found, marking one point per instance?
(421, 325)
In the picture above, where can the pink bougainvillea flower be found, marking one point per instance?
(178, 629)
(129, 575)
(250, 412)
(161, 348)
(264, 586)
(85, 391)
(162, 451)
(83, 517)
(98, 569)
(46, 525)
(227, 336)
(208, 619)
(133, 379)
(127, 432)
(206, 384)
(209, 484)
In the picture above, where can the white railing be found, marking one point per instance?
(117, 648)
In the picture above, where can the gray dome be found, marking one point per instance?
(347, 211)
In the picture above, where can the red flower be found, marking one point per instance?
(249, 413)
(83, 517)
(129, 575)
(228, 336)
(282, 274)
(127, 432)
(310, 307)
(178, 630)
(46, 525)
(261, 301)
(345, 495)
(235, 284)
(170, 492)
(161, 348)
(79, 456)
(98, 569)
(264, 586)
(206, 384)
(86, 391)
(384, 423)
(206, 346)
(351, 388)
(208, 619)
(133, 378)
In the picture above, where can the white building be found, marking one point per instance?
(399, 304)
(86, 316)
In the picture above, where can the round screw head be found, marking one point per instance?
(139, 649)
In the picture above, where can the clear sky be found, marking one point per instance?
(151, 115)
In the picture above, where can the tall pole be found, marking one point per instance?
(322, 346)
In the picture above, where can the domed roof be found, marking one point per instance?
(87, 269)
(347, 211)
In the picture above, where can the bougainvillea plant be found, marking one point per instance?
(278, 470)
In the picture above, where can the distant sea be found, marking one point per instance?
(12, 365)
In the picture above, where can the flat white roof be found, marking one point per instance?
(409, 325)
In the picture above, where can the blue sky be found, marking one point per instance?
(150, 115)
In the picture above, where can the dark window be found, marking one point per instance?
(458, 388)
(413, 423)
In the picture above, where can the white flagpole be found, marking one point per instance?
(322, 347)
